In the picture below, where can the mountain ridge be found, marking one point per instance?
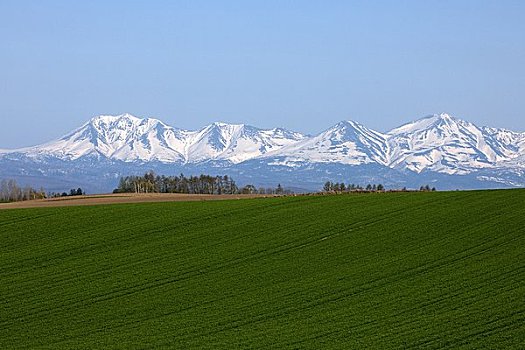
(435, 144)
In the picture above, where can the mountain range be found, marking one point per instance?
(439, 149)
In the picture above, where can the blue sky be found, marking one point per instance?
(303, 65)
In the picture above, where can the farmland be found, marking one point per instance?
(398, 270)
(122, 198)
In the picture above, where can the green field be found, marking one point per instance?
(404, 270)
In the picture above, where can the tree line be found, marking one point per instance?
(10, 191)
(202, 184)
(72, 192)
(279, 190)
(330, 186)
(427, 188)
(151, 183)
(338, 187)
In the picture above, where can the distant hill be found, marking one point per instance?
(439, 149)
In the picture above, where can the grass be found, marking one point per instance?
(406, 270)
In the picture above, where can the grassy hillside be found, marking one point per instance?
(412, 270)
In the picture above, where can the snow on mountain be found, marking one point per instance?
(123, 137)
(347, 142)
(211, 141)
(445, 144)
(128, 138)
(437, 143)
(237, 143)
(511, 143)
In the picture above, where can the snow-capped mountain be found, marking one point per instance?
(347, 142)
(438, 143)
(122, 137)
(445, 144)
(236, 142)
(129, 139)
(441, 149)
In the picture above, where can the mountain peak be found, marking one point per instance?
(347, 123)
(353, 123)
(223, 124)
(123, 124)
(345, 129)
(446, 144)
(346, 142)
(443, 118)
(113, 118)
(430, 121)
(351, 128)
